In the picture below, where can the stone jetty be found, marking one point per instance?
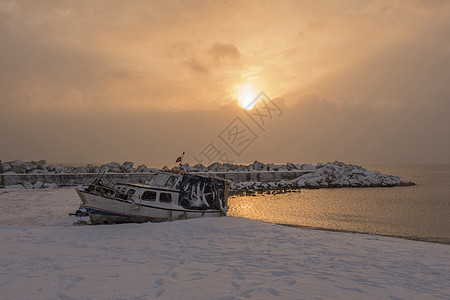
(256, 177)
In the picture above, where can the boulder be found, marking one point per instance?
(142, 168)
(14, 187)
(38, 171)
(112, 167)
(64, 169)
(30, 166)
(18, 166)
(215, 167)
(6, 167)
(10, 173)
(307, 167)
(291, 167)
(38, 185)
(127, 167)
(27, 185)
(82, 169)
(50, 185)
(258, 166)
(200, 168)
(230, 167)
(41, 165)
(90, 168)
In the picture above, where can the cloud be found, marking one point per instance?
(376, 74)
(196, 66)
(222, 52)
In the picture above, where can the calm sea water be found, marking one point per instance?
(419, 212)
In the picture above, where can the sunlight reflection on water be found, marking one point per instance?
(418, 212)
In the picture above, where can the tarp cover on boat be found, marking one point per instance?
(198, 192)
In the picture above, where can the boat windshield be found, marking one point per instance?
(170, 182)
(161, 179)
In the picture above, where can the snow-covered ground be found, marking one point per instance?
(215, 258)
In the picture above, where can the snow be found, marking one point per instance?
(210, 258)
(323, 175)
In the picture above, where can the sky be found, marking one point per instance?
(98, 81)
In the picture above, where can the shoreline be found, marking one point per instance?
(403, 237)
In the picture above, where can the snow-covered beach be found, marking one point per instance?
(44, 257)
(217, 258)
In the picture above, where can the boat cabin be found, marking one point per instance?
(170, 190)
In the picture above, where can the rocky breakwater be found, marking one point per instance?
(38, 175)
(245, 179)
(322, 175)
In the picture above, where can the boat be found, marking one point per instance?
(166, 196)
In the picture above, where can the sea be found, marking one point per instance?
(419, 212)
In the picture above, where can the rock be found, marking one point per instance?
(127, 167)
(112, 167)
(215, 167)
(51, 186)
(41, 165)
(51, 168)
(64, 169)
(308, 167)
(10, 173)
(291, 166)
(258, 166)
(38, 185)
(142, 168)
(90, 168)
(6, 167)
(27, 185)
(200, 168)
(38, 171)
(230, 167)
(30, 166)
(82, 169)
(14, 187)
(18, 166)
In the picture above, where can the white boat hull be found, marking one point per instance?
(104, 210)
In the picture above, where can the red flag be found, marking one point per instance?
(178, 159)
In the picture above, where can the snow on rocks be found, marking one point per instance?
(322, 175)
(38, 185)
(328, 175)
(27, 185)
(14, 187)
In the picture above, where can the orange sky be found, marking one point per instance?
(96, 81)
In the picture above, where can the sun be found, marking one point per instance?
(246, 95)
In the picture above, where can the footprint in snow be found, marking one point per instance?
(273, 292)
(235, 285)
(159, 293)
(158, 283)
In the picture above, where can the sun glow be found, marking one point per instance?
(247, 95)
